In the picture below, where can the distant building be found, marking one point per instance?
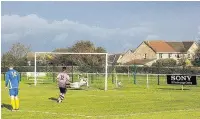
(150, 51)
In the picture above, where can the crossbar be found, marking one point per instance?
(70, 53)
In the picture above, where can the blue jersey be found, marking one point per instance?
(12, 79)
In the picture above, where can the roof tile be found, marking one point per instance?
(160, 46)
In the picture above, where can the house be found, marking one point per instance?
(126, 57)
(150, 51)
(112, 59)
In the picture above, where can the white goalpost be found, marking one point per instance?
(70, 53)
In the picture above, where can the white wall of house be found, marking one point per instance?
(191, 51)
(126, 57)
(144, 52)
(175, 56)
(162, 55)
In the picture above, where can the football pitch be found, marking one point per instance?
(133, 101)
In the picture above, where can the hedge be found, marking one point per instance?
(118, 69)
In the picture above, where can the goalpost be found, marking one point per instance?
(70, 53)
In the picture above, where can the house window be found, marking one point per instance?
(160, 55)
(145, 55)
(170, 55)
(188, 55)
(178, 55)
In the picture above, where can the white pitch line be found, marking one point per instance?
(143, 113)
(54, 113)
(129, 102)
(103, 116)
(97, 96)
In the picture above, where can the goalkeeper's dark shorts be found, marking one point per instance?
(63, 90)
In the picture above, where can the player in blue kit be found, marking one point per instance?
(12, 82)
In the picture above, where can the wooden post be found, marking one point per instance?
(53, 73)
(134, 78)
(128, 72)
(113, 74)
(134, 73)
(158, 73)
(87, 80)
(158, 79)
(20, 76)
(72, 73)
(4, 76)
(147, 81)
(116, 81)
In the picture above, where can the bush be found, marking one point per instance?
(165, 63)
(196, 62)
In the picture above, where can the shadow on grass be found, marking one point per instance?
(38, 83)
(172, 89)
(74, 88)
(7, 106)
(52, 98)
(85, 88)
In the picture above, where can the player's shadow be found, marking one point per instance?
(52, 98)
(7, 106)
(38, 83)
(173, 89)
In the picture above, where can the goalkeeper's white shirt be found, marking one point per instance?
(63, 79)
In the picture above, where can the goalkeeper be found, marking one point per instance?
(63, 83)
(12, 82)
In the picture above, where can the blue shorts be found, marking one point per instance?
(13, 92)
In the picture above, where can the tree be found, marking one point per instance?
(7, 58)
(188, 62)
(16, 55)
(83, 46)
(88, 47)
(100, 50)
(57, 59)
(85, 61)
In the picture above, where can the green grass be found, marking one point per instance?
(128, 102)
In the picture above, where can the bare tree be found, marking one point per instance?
(16, 55)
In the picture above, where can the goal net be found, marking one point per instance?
(81, 67)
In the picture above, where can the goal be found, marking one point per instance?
(93, 66)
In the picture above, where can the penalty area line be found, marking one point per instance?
(103, 116)
(53, 113)
(143, 113)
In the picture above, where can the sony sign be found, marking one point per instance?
(181, 79)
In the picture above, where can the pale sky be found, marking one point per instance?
(116, 26)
